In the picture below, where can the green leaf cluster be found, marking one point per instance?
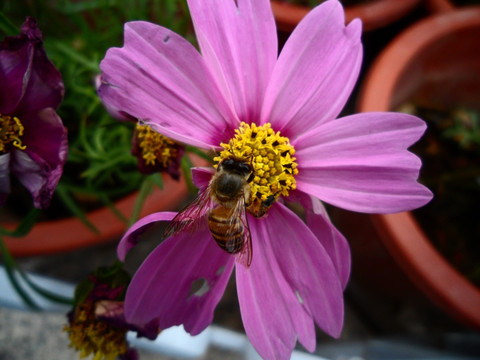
(77, 34)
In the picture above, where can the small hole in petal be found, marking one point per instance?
(299, 297)
(220, 270)
(166, 38)
(199, 287)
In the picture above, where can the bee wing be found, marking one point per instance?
(244, 257)
(187, 218)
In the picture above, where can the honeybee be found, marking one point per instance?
(224, 203)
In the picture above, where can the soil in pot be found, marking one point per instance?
(450, 150)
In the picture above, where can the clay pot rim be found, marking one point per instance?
(374, 15)
(402, 235)
(67, 234)
(71, 233)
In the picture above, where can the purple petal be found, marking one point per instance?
(4, 177)
(315, 72)
(290, 282)
(239, 43)
(180, 282)
(114, 112)
(14, 62)
(131, 237)
(361, 163)
(332, 240)
(45, 136)
(40, 166)
(160, 78)
(201, 176)
(29, 79)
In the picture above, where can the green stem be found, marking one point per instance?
(145, 190)
(199, 152)
(24, 227)
(7, 26)
(11, 267)
(71, 205)
(187, 172)
(45, 293)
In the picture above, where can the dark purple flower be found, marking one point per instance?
(33, 140)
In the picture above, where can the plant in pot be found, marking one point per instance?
(432, 70)
(374, 13)
(101, 190)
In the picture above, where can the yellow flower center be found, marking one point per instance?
(91, 336)
(272, 160)
(11, 131)
(155, 147)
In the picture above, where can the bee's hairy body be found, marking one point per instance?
(227, 230)
(230, 190)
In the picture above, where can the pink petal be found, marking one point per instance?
(361, 163)
(239, 43)
(131, 237)
(290, 282)
(332, 240)
(201, 176)
(160, 78)
(315, 72)
(180, 282)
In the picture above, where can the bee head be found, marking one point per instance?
(236, 166)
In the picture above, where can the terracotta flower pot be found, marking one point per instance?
(440, 6)
(374, 14)
(438, 57)
(48, 237)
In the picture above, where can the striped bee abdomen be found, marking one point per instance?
(227, 230)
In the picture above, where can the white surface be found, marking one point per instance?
(175, 341)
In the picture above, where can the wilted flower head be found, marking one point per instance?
(274, 123)
(96, 324)
(33, 140)
(155, 152)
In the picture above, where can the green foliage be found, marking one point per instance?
(77, 34)
(465, 128)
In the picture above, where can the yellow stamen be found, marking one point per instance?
(155, 147)
(271, 156)
(91, 336)
(11, 131)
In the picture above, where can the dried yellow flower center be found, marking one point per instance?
(11, 131)
(155, 147)
(91, 336)
(272, 160)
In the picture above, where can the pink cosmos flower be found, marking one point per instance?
(278, 115)
(33, 140)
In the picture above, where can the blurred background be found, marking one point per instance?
(414, 289)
